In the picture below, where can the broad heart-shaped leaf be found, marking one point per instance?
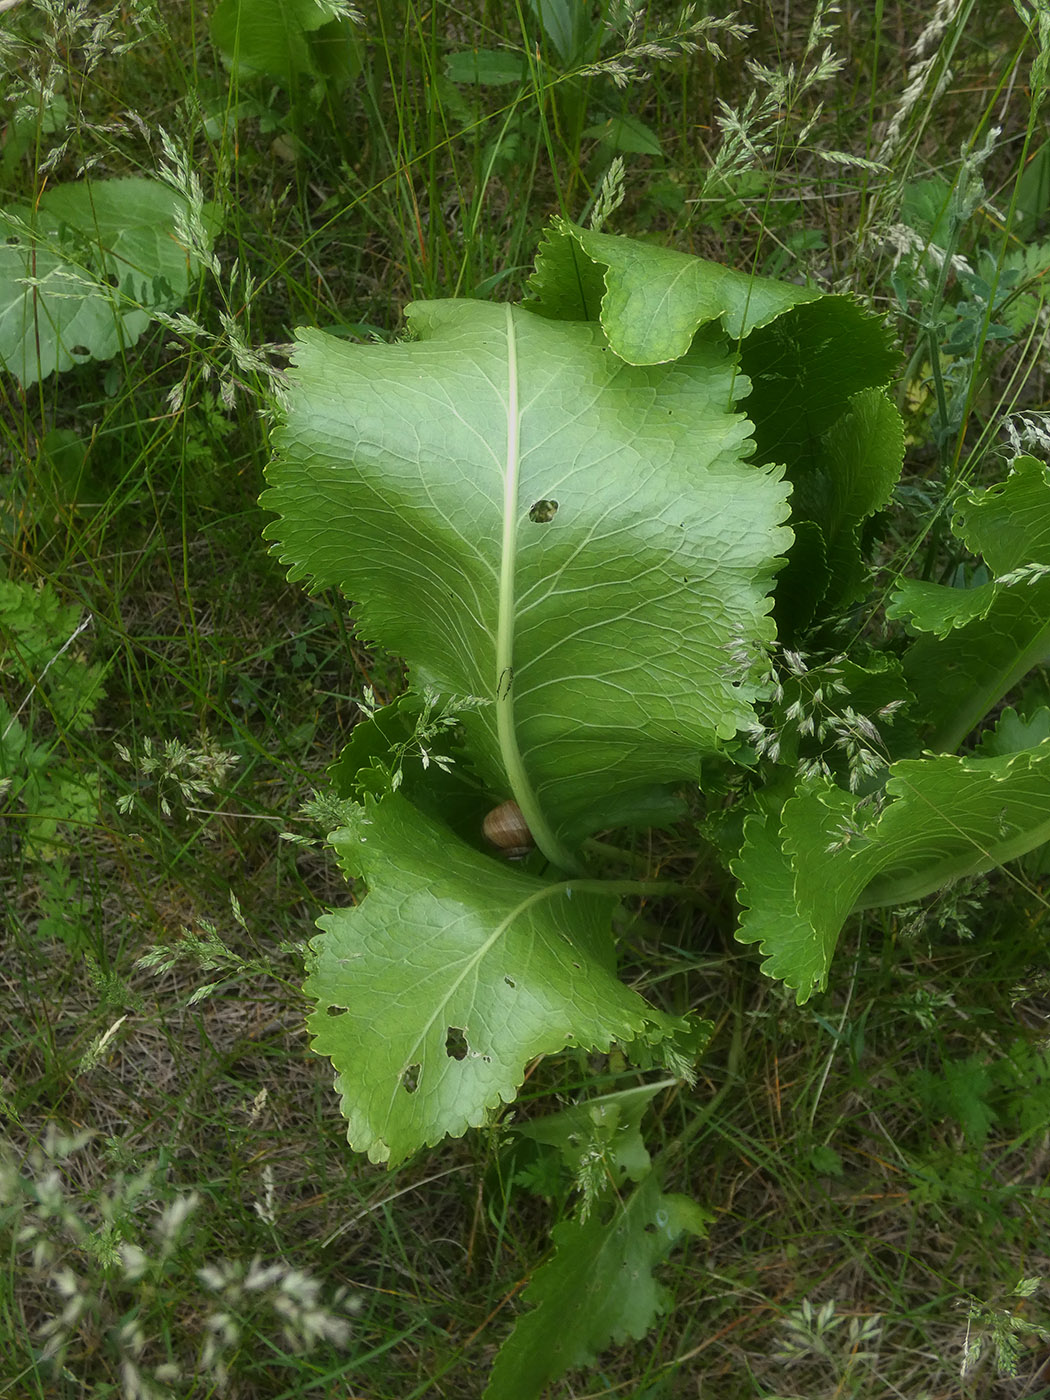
(527, 519)
(56, 309)
(945, 817)
(981, 642)
(597, 1289)
(450, 976)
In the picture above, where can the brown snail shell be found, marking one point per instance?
(506, 829)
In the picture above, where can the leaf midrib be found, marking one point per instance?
(503, 681)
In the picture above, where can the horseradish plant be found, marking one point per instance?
(584, 523)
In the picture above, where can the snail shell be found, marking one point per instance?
(506, 829)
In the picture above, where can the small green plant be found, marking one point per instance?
(50, 693)
(1001, 1331)
(174, 776)
(589, 517)
(847, 1347)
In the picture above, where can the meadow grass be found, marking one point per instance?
(179, 1211)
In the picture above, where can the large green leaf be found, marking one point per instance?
(526, 519)
(450, 976)
(832, 853)
(598, 1288)
(650, 300)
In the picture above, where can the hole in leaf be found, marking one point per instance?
(410, 1078)
(79, 350)
(543, 512)
(650, 1229)
(456, 1043)
(510, 983)
(336, 1010)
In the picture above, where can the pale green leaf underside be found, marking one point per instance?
(946, 817)
(597, 1289)
(454, 972)
(406, 475)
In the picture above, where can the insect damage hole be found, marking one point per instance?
(543, 512)
(410, 1078)
(456, 1043)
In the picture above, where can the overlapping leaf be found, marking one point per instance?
(977, 644)
(832, 853)
(650, 300)
(816, 366)
(450, 976)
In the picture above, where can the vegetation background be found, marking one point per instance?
(179, 1212)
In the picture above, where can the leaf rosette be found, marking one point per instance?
(561, 514)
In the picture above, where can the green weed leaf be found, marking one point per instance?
(978, 643)
(257, 36)
(54, 315)
(597, 1289)
(131, 227)
(80, 276)
(450, 976)
(486, 67)
(832, 853)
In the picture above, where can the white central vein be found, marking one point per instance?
(555, 851)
